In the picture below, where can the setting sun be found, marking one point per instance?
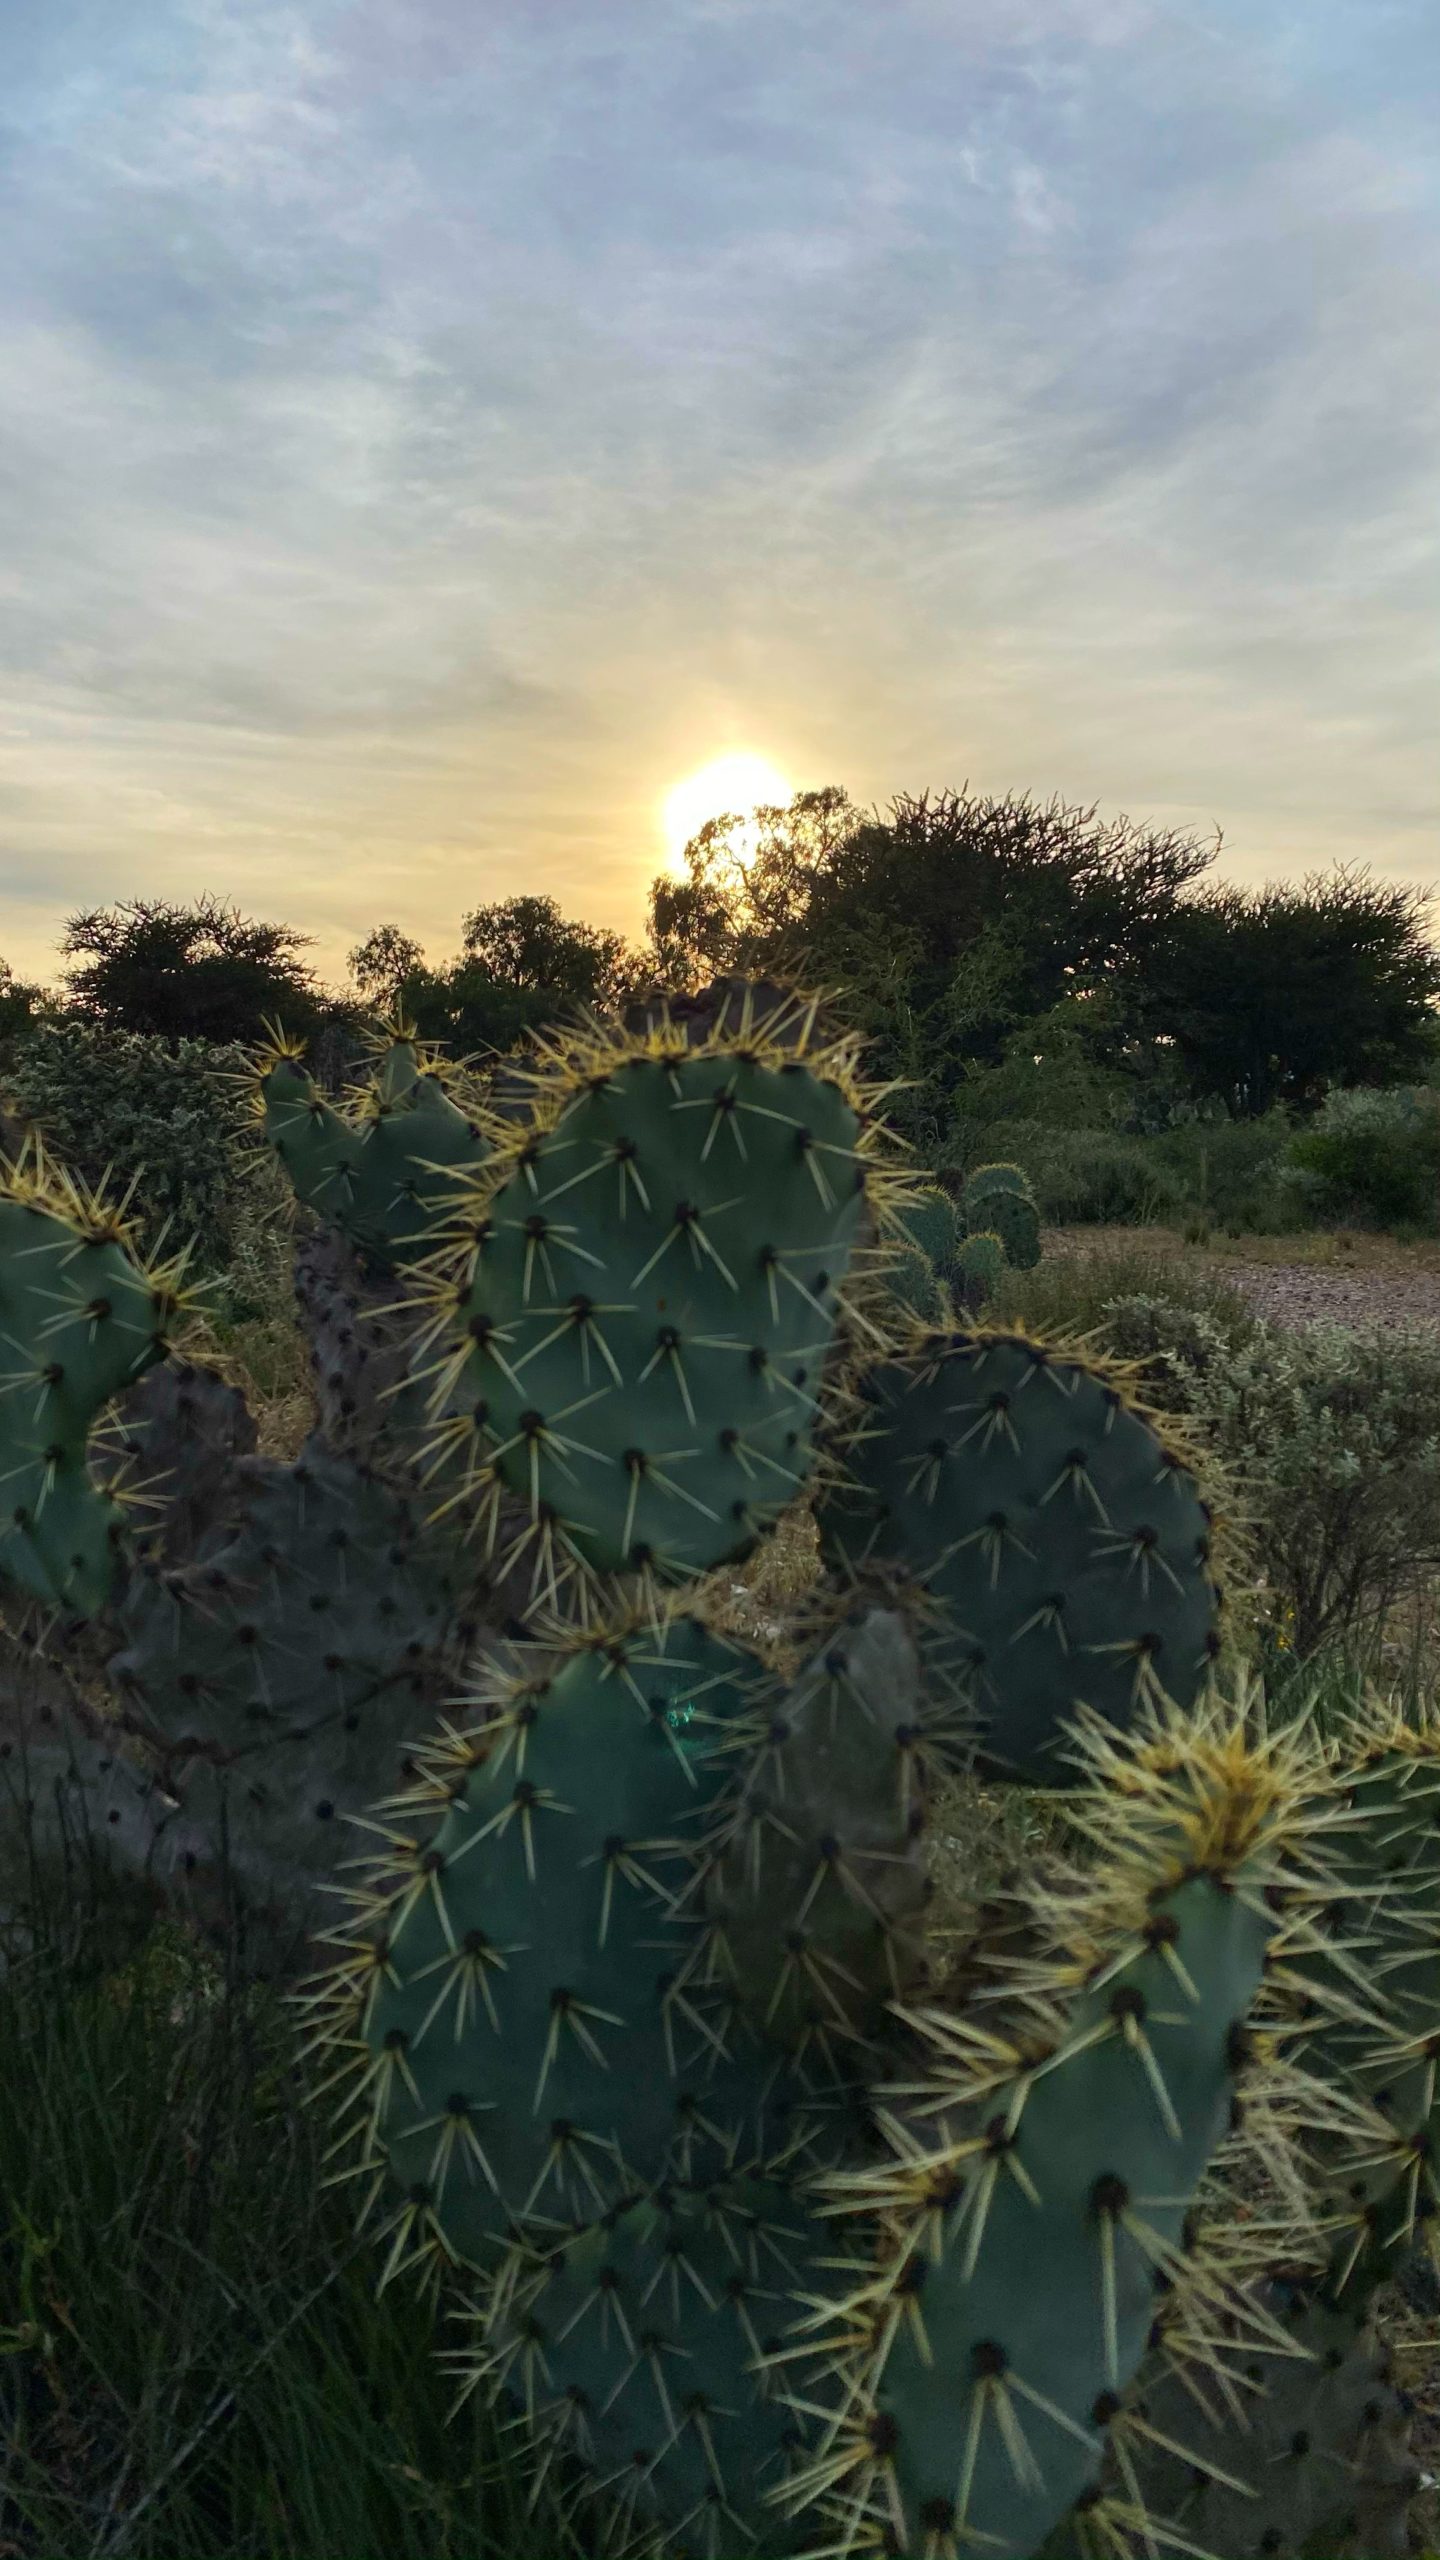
(735, 782)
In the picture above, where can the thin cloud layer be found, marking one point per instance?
(426, 434)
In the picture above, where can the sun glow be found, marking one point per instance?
(740, 783)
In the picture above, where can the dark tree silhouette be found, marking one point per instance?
(201, 972)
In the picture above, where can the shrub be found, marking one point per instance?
(1098, 1177)
(1333, 1431)
(1371, 1158)
(129, 1108)
(1177, 1341)
(1075, 1293)
(1226, 1170)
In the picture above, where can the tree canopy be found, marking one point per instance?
(201, 972)
(522, 963)
(974, 937)
(1275, 994)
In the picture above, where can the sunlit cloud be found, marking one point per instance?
(426, 434)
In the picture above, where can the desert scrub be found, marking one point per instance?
(1371, 1158)
(1074, 1293)
(1333, 1434)
(160, 1122)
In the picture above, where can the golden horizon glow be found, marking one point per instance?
(739, 783)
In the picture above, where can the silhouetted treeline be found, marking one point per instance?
(969, 938)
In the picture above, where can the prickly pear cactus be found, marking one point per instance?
(651, 2165)
(378, 1168)
(637, 1300)
(765, 2232)
(1066, 1545)
(82, 1318)
(998, 1201)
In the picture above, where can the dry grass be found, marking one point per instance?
(1327, 1249)
(268, 1358)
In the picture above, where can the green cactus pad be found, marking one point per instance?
(527, 1997)
(383, 1170)
(1271, 2452)
(646, 1285)
(818, 1877)
(989, 1179)
(1016, 1222)
(990, 2333)
(978, 1269)
(932, 1222)
(1041, 1509)
(632, 2354)
(80, 1320)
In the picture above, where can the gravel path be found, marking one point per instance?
(1374, 1280)
(1299, 1293)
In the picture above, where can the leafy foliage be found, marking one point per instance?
(1013, 962)
(1272, 994)
(158, 1118)
(201, 972)
(523, 963)
(1333, 1433)
(20, 1004)
(1371, 1157)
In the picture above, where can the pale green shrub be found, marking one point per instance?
(1333, 1431)
(1371, 1157)
(130, 1109)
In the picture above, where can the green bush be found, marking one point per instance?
(130, 1109)
(1075, 1293)
(1332, 1430)
(1094, 1177)
(1227, 1171)
(1371, 1158)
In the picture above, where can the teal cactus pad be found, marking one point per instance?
(819, 1880)
(179, 1435)
(1064, 1538)
(634, 2350)
(383, 1170)
(645, 1289)
(282, 1673)
(1272, 2453)
(80, 1321)
(528, 1996)
(1018, 2285)
(1374, 2023)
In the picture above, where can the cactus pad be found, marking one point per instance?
(80, 1320)
(533, 2034)
(818, 1878)
(644, 1287)
(382, 1170)
(1039, 1506)
(985, 2346)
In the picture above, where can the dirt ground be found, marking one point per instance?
(1341, 1278)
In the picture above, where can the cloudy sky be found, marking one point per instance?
(430, 429)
